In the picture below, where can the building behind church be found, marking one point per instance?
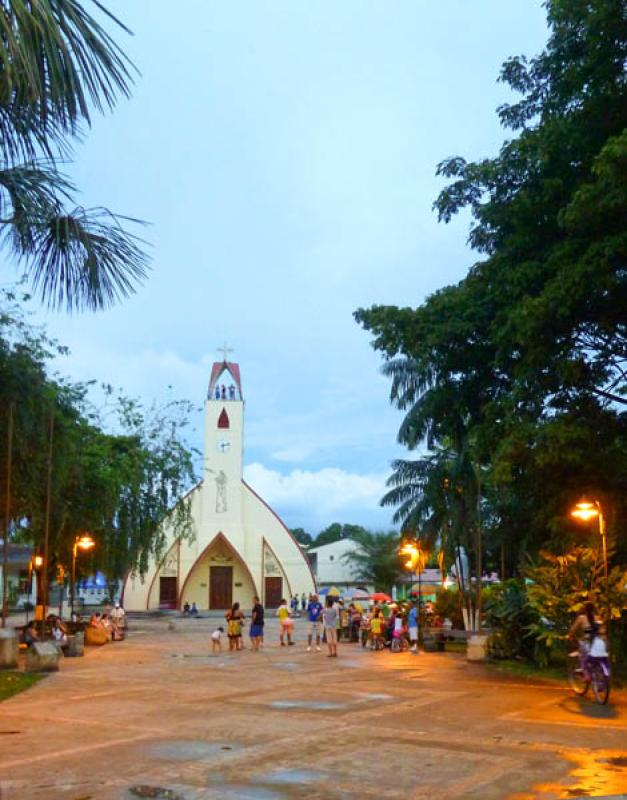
(240, 547)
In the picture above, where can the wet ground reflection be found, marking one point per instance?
(598, 774)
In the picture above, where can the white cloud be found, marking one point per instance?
(314, 499)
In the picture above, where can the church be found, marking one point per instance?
(240, 548)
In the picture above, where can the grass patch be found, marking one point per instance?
(526, 669)
(15, 682)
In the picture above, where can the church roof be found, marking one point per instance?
(216, 371)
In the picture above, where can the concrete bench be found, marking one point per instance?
(42, 657)
(9, 648)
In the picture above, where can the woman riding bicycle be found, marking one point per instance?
(589, 631)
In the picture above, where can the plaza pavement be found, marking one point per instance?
(157, 716)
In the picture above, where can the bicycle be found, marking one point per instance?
(588, 669)
(399, 644)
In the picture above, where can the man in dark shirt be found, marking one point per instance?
(256, 625)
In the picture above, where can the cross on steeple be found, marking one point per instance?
(225, 349)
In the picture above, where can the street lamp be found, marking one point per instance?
(586, 510)
(84, 542)
(415, 562)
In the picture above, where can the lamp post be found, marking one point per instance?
(586, 510)
(84, 542)
(415, 563)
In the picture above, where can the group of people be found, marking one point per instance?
(190, 611)
(55, 626)
(328, 622)
(113, 622)
(235, 621)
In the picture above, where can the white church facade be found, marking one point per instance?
(240, 547)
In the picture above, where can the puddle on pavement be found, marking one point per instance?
(310, 705)
(288, 665)
(193, 750)
(154, 792)
(594, 775)
(298, 776)
(243, 792)
(372, 697)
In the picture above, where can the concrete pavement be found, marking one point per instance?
(158, 716)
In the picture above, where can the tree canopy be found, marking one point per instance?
(513, 380)
(115, 479)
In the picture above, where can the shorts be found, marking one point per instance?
(315, 628)
(256, 631)
(413, 634)
(331, 635)
(287, 623)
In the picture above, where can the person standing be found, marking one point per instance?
(303, 602)
(376, 627)
(330, 617)
(286, 622)
(117, 615)
(314, 614)
(413, 627)
(256, 625)
(234, 619)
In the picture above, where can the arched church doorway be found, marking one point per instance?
(218, 578)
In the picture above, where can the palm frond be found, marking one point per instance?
(30, 193)
(86, 259)
(56, 59)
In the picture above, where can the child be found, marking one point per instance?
(376, 625)
(364, 627)
(216, 640)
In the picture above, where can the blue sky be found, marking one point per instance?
(284, 153)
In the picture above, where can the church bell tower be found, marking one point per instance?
(224, 445)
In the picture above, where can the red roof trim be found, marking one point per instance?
(287, 530)
(216, 371)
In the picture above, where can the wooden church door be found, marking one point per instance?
(220, 587)
(274, 592)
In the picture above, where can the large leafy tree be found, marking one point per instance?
(56, 62)
(522, 364)
(117, 479)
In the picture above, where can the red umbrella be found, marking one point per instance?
(381, 597)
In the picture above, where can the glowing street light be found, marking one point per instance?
(82, 542)
(585, 510)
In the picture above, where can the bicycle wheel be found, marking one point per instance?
(577, 678)
(600, 683)
(395, 646)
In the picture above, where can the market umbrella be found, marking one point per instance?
(358, 594)
(381, 597)
(334, 591)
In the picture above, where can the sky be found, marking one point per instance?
(284, 154)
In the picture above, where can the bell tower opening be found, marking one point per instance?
(225, 382)
(223, 420)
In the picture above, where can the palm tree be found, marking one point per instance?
(55, 61)
(375, 558)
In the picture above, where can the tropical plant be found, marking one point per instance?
(57, 61)
(509, 617)
(560, 585)
(375, 559)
